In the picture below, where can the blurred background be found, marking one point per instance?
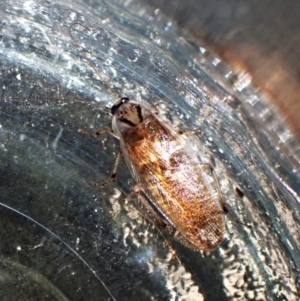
(228, 69)
(260, 38)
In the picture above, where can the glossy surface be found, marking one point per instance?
(48, 168)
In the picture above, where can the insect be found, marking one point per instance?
(168, 172)
(170, 175)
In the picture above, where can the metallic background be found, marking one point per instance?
(229, 70)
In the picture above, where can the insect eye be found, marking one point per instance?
(120, 102)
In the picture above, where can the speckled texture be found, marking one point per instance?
(48, 168)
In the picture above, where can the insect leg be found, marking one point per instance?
(156, 107)
(189, 133)
(210, 167)
(222, 201)
(113, 174)
(156, 220)
(137, 190)
(98, 133)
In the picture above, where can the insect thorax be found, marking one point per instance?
(127, 115)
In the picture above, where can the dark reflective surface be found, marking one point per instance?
(49, 169)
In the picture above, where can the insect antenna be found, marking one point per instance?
(112, 91)
(64, 243)
(55, 99)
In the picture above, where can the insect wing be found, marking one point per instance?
(173, 181)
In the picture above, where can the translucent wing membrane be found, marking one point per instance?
(174, 182)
